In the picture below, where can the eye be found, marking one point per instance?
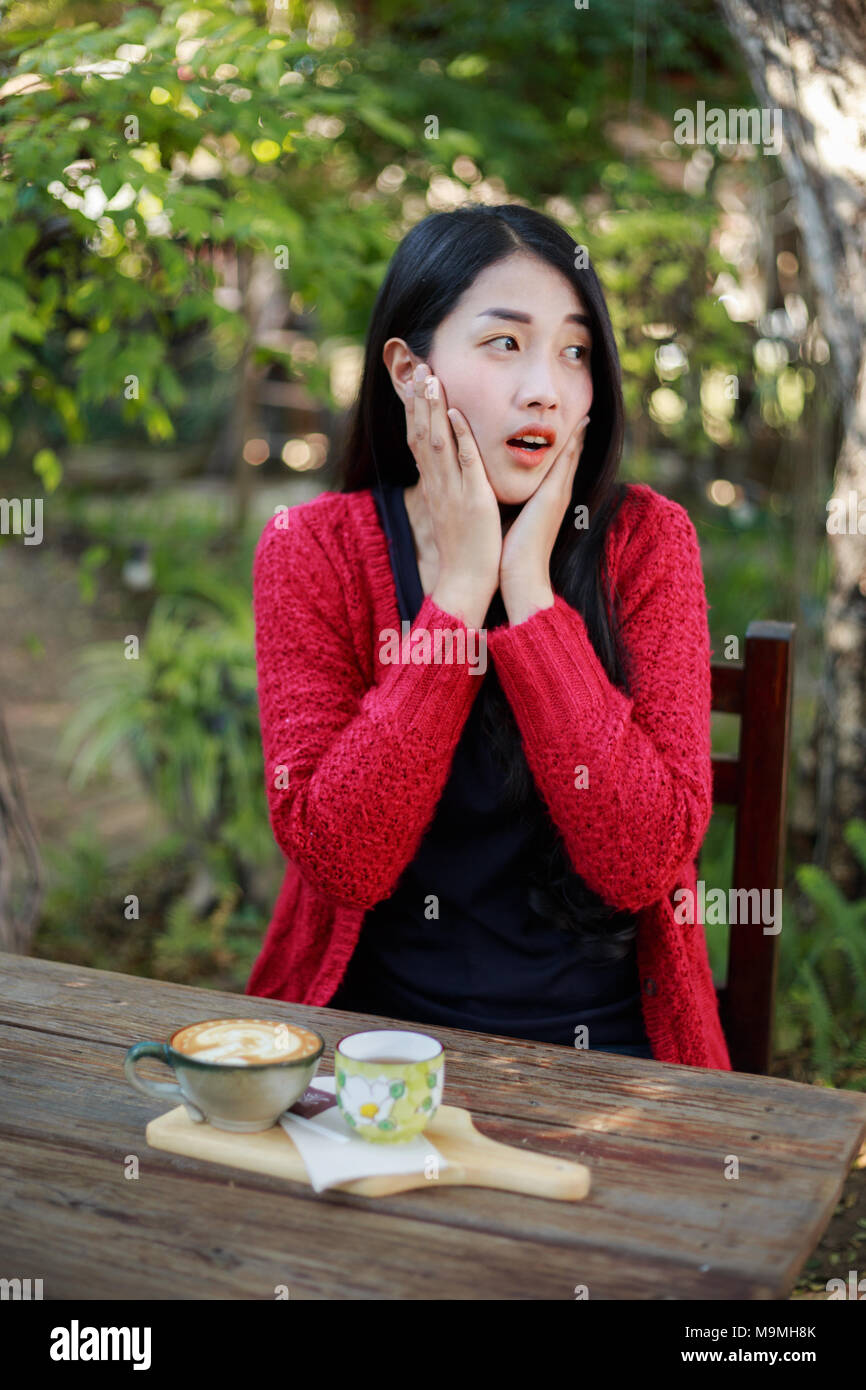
(581, 348)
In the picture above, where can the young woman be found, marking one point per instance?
(495, 846)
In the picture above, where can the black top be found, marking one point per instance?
(486, 962)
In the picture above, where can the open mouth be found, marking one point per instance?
(528, 448)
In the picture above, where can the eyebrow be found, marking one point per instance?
(516, 317)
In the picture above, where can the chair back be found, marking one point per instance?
(754, 781)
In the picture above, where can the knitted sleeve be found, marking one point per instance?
(353, 770)
(628, 781)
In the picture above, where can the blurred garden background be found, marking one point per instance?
(197, 205)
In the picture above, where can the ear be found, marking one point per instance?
(400, 362)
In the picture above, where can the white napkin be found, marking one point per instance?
(334, 1153)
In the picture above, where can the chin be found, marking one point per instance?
(514, 490)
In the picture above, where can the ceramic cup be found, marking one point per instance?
(388, 1100)
(232, 1092)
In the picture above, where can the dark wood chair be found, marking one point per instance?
(754, 781)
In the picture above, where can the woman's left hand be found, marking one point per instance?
(524, 569)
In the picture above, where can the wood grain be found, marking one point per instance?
(661, 1220)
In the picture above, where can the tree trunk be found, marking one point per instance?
(263, 309)
(16, 929)
(808, 58)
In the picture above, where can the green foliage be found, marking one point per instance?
(715, 868)
(184, 708)
(77, 877)
(747, 568)
(821, 987)
(184, 715)
(218, 949)
(93, 558)
(822, 975)
(123, 174)
(83, 917)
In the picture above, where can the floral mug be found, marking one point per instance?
(388, 1082)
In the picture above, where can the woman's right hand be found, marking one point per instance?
(463, 510)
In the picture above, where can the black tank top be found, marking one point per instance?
(485, 962)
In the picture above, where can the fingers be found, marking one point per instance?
(573, 450)
(410, 415)
(431, 439)
(467, 449)
(416, 414)
(417, 417)
(575, 443)
(437, 423)
(561, 475)
(431, 435)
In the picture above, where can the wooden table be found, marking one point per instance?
(662, 1220)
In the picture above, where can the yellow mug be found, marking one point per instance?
(388, 1082)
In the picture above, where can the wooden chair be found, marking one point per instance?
(754, 781)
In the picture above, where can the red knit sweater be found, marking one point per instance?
(357, 752)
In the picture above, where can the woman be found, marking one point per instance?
(494, 846)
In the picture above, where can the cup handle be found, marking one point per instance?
(162, 1090)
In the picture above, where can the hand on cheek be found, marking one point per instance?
(525, 564)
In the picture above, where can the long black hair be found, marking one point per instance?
(433, 266)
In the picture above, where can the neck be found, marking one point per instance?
(508, 512)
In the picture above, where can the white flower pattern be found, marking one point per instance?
(367, 1101)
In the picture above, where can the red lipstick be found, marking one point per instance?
(530, 454)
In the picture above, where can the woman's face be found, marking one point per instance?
(512, 355)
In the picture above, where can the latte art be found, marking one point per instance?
(243, 1042)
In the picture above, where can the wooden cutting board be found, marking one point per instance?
(475, 1161)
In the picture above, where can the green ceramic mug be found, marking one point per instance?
(238, 1074)
(388, 1082)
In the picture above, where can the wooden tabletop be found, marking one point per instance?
(662, 1221)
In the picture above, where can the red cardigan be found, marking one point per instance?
(357, 752)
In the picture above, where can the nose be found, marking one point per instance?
(537, 391)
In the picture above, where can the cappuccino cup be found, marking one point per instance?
(237, 1074)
